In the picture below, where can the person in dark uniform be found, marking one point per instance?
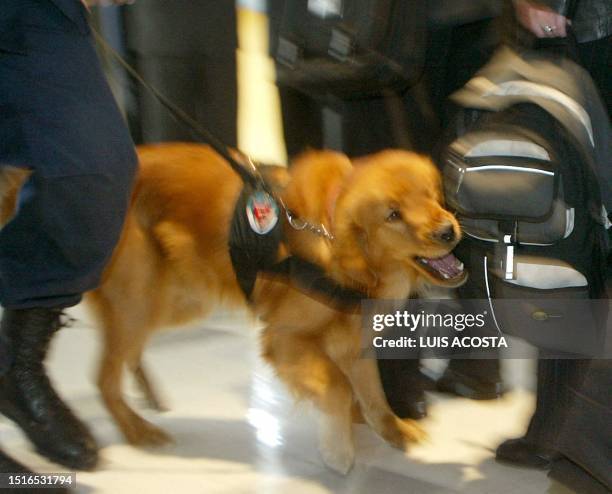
(58, 119)
(560, 390)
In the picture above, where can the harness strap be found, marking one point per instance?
(310, 279)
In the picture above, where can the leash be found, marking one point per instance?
(309, 277)
(249, 175)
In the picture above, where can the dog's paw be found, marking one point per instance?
(402, 433)
(336, 448)
(338, 457)
(143, 433)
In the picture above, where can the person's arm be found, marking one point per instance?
(544, 18)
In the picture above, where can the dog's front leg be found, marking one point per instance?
(310, 374)
(365, 380)
(336, 436)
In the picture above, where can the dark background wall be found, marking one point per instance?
(187, 50)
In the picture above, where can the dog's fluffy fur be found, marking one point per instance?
(172, 265)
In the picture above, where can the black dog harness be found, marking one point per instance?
(255, 235)
(256, 232)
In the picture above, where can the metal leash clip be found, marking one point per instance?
(300, 225)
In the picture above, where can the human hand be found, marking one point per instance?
(540, 20)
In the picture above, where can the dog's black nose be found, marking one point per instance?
(446, 233)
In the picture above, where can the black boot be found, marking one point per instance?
(26, 395)
(8, 465)
(523, 453)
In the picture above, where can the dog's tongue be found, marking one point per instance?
(448, 266)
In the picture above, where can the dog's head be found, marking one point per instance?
(390, 215)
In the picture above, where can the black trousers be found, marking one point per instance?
(58, 118)
(555, 380)
(586, 438)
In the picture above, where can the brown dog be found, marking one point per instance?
(172, 265)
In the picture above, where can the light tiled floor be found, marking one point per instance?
(237, 431)
(235, 428)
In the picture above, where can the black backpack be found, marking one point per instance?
(530, 209)
(348, 48)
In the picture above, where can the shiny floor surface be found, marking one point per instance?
(237, 431)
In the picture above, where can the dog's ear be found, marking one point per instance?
(350, 255)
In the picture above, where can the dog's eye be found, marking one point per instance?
(394, 215)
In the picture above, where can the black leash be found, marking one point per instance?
(308, 277)
(249, 175)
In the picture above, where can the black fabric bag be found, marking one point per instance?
(505, 176)
(348, 48)
(530, 210)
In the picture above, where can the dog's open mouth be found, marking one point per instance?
(447, 269)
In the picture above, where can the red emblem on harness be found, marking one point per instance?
(262, 212)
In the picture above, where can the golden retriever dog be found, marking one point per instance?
(392, 238)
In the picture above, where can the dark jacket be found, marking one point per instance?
(11, 32)
(73, 9)
(591, 20)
